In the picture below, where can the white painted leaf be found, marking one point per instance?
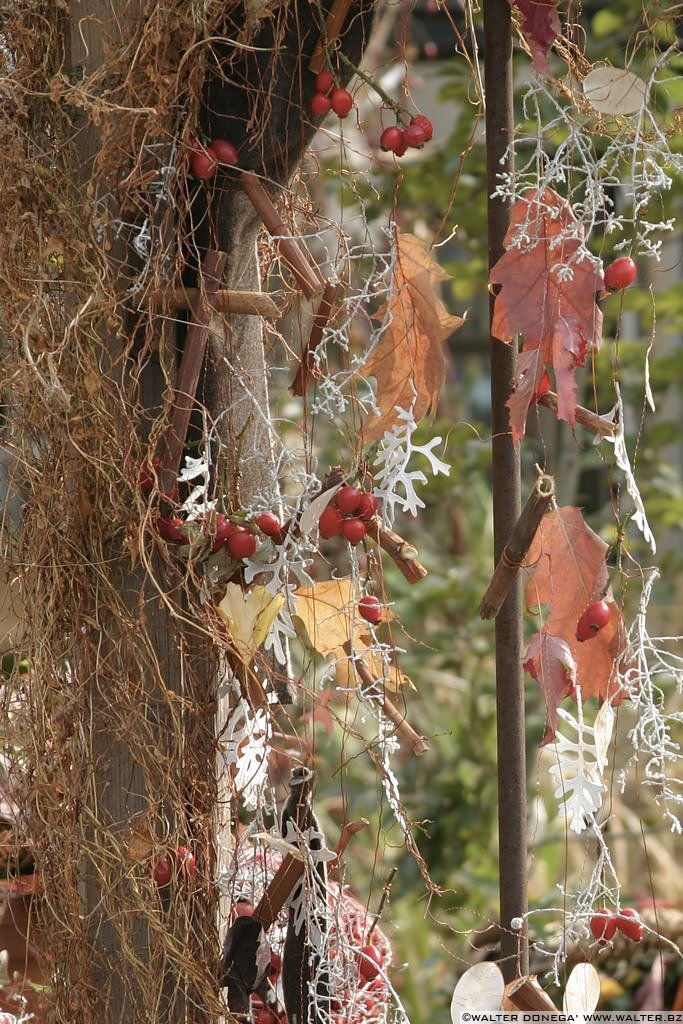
(602, 733)
(582, 991)
(614, 90)
(312, 513)
(480, 989)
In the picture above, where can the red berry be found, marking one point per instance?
(324, 81)
(630, 924)
(243, 908)
(241, 543)
(203, 162)
(222, 530)
(430, 50)
(270, 525)
(354, 530)
(169, 530)
(414, 136)
(620, 274)
(369, 961)
(400, 149)
(186, 861)
(163, 871)
(225, 151)
(425, 124)
(391, 139)
(603, 925)
(348, 500)
(595, 618)
(342, 101)
(320, 105)
(370, 609)
(367, 506)
(330, 522)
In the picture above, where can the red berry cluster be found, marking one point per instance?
(347, 514)
(595, 618)
(239, 541)
(398, 139)
(329, 97)
(180, 862)
(604, 924)
(205, 159)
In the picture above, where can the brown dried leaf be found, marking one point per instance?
(408, 363)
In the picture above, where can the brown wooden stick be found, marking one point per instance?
(213, 267)
(403, 554)
(334, 23)
(598, 424)
(515, 550)
(279, 889)
(305, 275)
(418, 744)
(226, 301)
(526, 994)
(307, 367)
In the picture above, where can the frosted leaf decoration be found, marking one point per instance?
(614, 91)
(246, 748)
(579, 766)
(480, 989)
(621, 456)
(393, 459)
(582, 991)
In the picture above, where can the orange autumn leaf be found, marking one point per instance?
(548, 289)
(569, 574)
(408, 362)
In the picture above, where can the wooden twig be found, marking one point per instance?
(279, 889)
(526, 994)
(516, 548)
(307, 367)
(418, 744)
(386, 889)
(226, 301)
(403, 554)
(598, 424)
(305, 275)
(334, 23)
(189, 370)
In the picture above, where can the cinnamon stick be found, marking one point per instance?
(404, 555)
(189, 371)
(226, 301)
(417, 743)
(526, 994)
(278, 891)
(334, 23)
(306, 277)
(514, 552)
(598, 424)
(307, 367)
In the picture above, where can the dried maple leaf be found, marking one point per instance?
(548, 288)
(329, 614)
(551, 663)
(408, 363)
(249, 616)
(570, 573)
(540, 27)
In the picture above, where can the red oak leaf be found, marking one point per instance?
(540, 27)
(570, 573)
(550, 662)
(548, 287)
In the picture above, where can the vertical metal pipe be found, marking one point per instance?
(512, 809)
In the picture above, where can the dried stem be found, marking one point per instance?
(307, 367)
(598, 424)
(386, 889)
(333, 27)
(306, 277)
(190, 369)
(515, 550)
(418, 744)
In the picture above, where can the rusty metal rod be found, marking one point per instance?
(512, 809)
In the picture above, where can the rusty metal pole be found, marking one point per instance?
(512, 809)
